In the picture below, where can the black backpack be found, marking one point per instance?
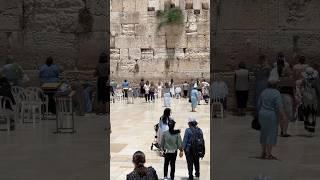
(197, 143)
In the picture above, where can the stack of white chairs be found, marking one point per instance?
(6, 114)
(17, 93)
(44, 99)
(119, 95)
(31, 103)
(216, 101)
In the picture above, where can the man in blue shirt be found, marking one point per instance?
(49, 72)
(192, 158)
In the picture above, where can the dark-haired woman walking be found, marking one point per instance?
(170, 143)
(141, 172)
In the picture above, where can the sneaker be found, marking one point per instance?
(165, 178)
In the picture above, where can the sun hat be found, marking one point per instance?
(191, 119)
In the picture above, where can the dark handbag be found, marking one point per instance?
(255, 124)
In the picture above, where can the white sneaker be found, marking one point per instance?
(165, 178)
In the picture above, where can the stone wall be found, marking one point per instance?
(243, 29)
(32, 30)
(138, 49)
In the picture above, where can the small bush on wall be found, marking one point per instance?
(170, 16)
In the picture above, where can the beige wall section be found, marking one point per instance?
(139, 50)
(247, 28)
(31, 30)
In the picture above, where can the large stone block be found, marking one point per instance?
(129, 5)
(115, 29)
(116, 5)
(196, 41)
(130, 18)
(114, 54)
(142, 5)
(124, 54)
(128, 29)
(134, 53)
(115, 17)
(203, 28)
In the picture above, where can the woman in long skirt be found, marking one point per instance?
(270, 107)
(194, 98)
(167, 95)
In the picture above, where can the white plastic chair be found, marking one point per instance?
(31, 103)
(44, 99)
(119, 95)
(16, 91)
(217, 101)
(65, 114)
(130, 97)
(6, 114)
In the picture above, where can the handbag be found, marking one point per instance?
(255, 124)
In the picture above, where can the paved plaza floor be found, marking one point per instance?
(36, 153)
(236, 145)
(132, 130)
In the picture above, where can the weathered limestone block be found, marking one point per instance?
(125, 42)
(142, 5)
(128, 29)
(177, 41)
(134, 53)
(196, 41)
(197, 4)
(112, 43)
(115, 17)
(115, 29)
(116, 5)
(204, 16)
(203, 28)
(114, 54)
(130, 18)
(147, 54)
(158, 42)
(191, 16)
(124, 54)
(160, 54)
(197, 53)
(129, 5)
(191, 28)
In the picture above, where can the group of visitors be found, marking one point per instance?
(285, 93)
(170, 142)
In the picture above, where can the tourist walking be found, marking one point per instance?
(152, 92)
(163, 124)
(170, 143)
(270, 108)
(185, 88)
(299, 68)
(171, 88)
(167, 95)
(159, 89)
(125, 88)
(141, 172)
(241, 81)
(194, 96)
(194, 147)
(142, 92)
(146, 88)
(101, 72)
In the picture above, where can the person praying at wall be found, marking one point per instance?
(13, 72)
(101, 72)
(241, 82)
(49, 72)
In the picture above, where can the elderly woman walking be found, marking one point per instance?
(270, 108)
(194, 95)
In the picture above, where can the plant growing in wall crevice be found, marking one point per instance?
(170, 16)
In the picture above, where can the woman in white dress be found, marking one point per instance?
(172, 88)
(166, 95)
(159, 89)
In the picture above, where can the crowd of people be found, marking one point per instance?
(195, 91)
(170, 142)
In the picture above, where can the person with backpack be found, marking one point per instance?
(193, 146)
(170, 143)
(141, 172)
(309, 99)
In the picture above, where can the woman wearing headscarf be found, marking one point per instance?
(270, 110)
(170, 143)
(101, 72)
(194, 95)
(141, 172)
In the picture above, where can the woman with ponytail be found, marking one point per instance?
(141, 172)
(170, 143)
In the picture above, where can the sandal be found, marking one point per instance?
(270, 157)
